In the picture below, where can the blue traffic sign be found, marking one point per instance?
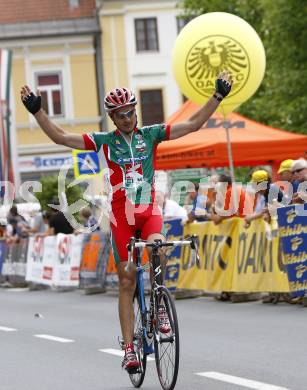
(86, 163)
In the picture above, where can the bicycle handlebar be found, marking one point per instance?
(192, 241)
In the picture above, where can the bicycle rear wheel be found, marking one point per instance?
(166, 345)
(138, 377)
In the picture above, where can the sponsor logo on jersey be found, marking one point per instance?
(133, 175)
(141, 147)
(119, 150)
(130, 160)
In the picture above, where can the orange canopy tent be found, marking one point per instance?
(252, 143)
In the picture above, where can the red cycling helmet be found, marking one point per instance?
(117, 98)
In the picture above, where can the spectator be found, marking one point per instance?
(299, 171)
(46, 217)
(57, 221)
(231, 200)
(199, 203)
(17, 225)
(272, 191)
(2, 230)
(37, 223)
(59, 224)
(89, 221)
(265, 197)
(285, 174)
(45, 231)
(212, 182)
(284, 170)
(170, 209)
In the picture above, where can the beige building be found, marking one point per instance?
(74, 51)
(137, 39)
(55, 46)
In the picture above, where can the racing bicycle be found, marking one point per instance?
(147, 337)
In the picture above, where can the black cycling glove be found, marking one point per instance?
(222, 87)
(32, 103)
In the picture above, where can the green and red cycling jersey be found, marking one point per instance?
(131, 166)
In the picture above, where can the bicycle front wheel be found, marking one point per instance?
(137, 378)
(166, 345)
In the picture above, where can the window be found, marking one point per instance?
(146, 34)
(74, 3)
(50, 86)
(152, 107)
(182, 21)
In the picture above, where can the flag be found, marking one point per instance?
(8, 146)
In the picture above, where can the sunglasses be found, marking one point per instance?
(298, 170)
(123, 115)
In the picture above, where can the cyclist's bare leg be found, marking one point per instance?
(127, 284)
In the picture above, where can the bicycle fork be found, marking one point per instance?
(147, 340)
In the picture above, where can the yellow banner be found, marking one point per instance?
(234, 258)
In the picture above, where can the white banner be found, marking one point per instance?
(67, 264)
(55, 260)
(41, 259)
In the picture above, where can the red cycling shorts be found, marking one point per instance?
(129, 219)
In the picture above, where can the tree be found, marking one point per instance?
(49, 192)
(281, 100)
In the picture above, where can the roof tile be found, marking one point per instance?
(14, 11)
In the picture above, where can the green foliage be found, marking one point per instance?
(281, 100)
(250, 11)
(49, 192)
(243, 174)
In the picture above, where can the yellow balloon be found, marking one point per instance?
(214, 42)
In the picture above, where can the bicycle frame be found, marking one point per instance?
(157, 271)
(148, 344)
(150, 336)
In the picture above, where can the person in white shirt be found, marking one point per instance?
(170, 208)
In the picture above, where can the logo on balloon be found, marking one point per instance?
(210, 56)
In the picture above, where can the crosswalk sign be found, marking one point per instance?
(86, 163)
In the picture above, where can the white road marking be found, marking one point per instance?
(119, 352)
(54, 338)
(18, 289)
(236, 380)
(6, 329)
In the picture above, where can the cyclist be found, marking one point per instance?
(129, 153)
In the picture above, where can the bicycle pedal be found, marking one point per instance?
(167, 339)
(133, 370)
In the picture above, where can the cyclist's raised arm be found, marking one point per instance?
(195, 122)
(58, 135)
